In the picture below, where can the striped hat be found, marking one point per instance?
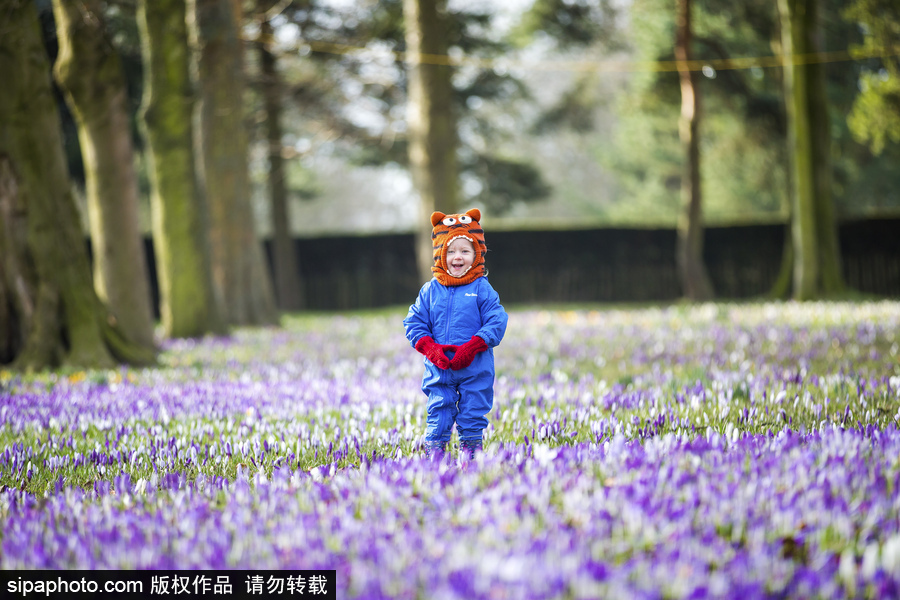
(446, 229)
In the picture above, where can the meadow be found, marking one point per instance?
(717, 450)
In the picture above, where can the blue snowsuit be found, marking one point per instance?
(452, 315)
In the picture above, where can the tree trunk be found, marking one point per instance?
(794, 26)
(53, 313)
(17, 280)
(781, 289)
(432, 120)
(830, 271)
(189, 306)
(694, 278)
(287, 271)
(89, 71)
(238, 266)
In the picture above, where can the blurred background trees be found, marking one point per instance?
(875, 117)
(689, 253)
(189, 304)
(211, 125)
(239, 271)
(89, 72)
(814, 243)
(51, 313)
(288, 286)
(431, 117)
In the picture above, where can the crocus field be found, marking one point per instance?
(717, 450)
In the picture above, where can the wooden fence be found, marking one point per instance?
(587, 265)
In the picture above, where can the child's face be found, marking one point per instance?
(460, 256)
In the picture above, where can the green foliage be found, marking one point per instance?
(644, 152)
(868, 184)
(302, 182)
(357, 99)
(876, 113)
(743, 127)
(569, 23)
(507, 181)
(576, 108)
(743, 164)
(742, 124)
(877, 109)
(489, 84)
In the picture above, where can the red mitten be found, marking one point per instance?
(435, 352)
(466, 353)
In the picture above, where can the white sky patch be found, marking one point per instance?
(287, 34)
(343, 4)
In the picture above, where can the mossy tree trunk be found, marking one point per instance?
(431, 118)
(695, 282)
(238, 266)
(288, 284)
(52, 315)
(831, 277)
(816, 256)
(17, 277)
(189, 305)
(89, 71)
(781, 289)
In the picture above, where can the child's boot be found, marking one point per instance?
(435, 449)
(468, 448)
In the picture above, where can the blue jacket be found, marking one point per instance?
(453, 314)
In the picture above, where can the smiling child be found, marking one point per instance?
(456, 322)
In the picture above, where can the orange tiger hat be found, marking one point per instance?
(446, 229)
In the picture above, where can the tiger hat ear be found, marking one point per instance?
(437, 217)
(472, 212)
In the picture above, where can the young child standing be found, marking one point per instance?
(456, 321)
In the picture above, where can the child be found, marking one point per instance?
(456, 321)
